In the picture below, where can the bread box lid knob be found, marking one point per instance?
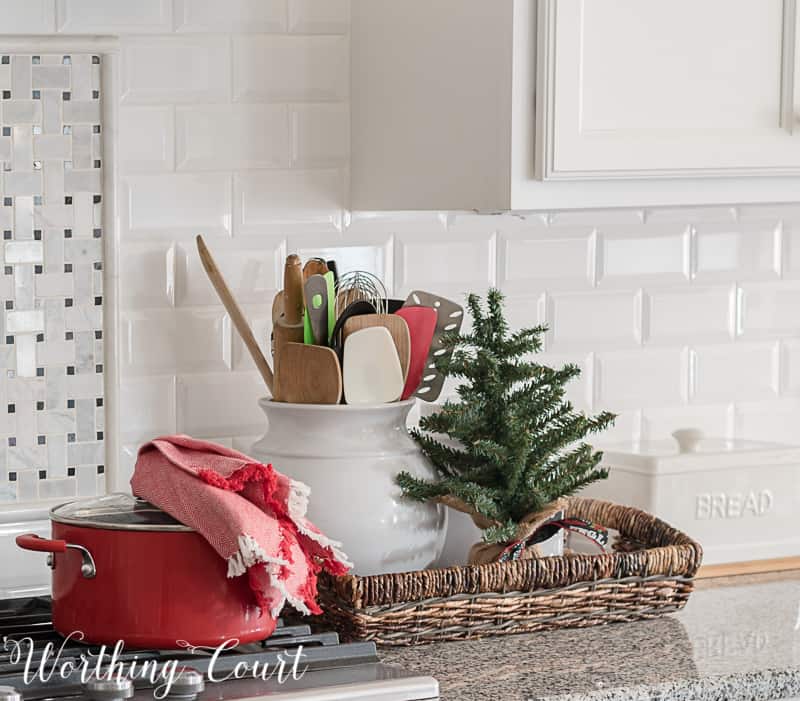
(688, 439)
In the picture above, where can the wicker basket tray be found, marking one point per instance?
(650, 574)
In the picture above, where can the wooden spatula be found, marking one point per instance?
(421, 325)
(308, 374)
(395, 325)
(371, 372)
(238, 319)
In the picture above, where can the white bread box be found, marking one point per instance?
(739, 499)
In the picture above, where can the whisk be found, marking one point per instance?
(359, 285)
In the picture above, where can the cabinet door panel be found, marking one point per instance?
(648, 88)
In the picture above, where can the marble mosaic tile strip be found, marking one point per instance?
(51, 279)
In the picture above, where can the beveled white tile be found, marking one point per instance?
(312, 68)
(641, 378)
(655, 255)
(551, 259)
(451, 263)
(159, 342)
(175, 69)
(255, 136)
(690, 215)
(770, 310)
(611, 219)
(580, 390)
(146, 139)
(734, 372)
(114, 16)
(185, 203)
(252, 267)
(28, 17)
(690, 315)
(768, 421)
(146, 407)
(746, 250)
(790, 368)
(235, 16)
(715, 420)
(314, 17)
(220, 404)
(271, 201)
(320, 135)
(147, 275)
(592, 320)
(260, 319)
(372, 254)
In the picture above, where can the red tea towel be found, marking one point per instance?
(250, 513)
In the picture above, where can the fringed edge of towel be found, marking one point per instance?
(297, 506)
(249, 555)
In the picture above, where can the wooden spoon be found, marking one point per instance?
(238, 319)
(308, 375)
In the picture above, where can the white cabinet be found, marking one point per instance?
(646, 88)
(514, 104)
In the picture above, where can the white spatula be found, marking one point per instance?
(371, 373)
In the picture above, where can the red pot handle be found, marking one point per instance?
(31, 541)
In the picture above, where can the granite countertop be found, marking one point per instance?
(736, 639)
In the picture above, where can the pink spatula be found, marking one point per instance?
(421, 323)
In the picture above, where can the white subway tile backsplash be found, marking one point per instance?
(768, 421)
(146, 139)
(146, 407)
(222, 404)
(641, 378)
(690, 215)
(274, 200)
(421, 258)
(645, 256)
(314, 17)
(256, 136)
(551, 259)
(790, 367)
(685, 315)
(320, 135)
(372, 254)
(114, 16)
(162, 342)
(252, 267)
(167, 205)
(714, 420)
(290, 68)
(27, 16)
(260, 319)
(175, 69)
(770, 310)
(147, 275)
(593, 320)
(734, 371)
(244, 16)
(738, 251)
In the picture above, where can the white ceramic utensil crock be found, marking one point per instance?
(349, 456)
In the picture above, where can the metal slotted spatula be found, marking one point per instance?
(449, 317)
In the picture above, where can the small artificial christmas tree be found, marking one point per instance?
(515, 444)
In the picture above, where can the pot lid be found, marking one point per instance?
(116, 512)
(690, 450)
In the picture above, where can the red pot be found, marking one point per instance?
(125, 570)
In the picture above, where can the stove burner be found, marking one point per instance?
(188, 684)
(9, 693)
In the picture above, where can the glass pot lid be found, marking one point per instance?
(121, 512)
